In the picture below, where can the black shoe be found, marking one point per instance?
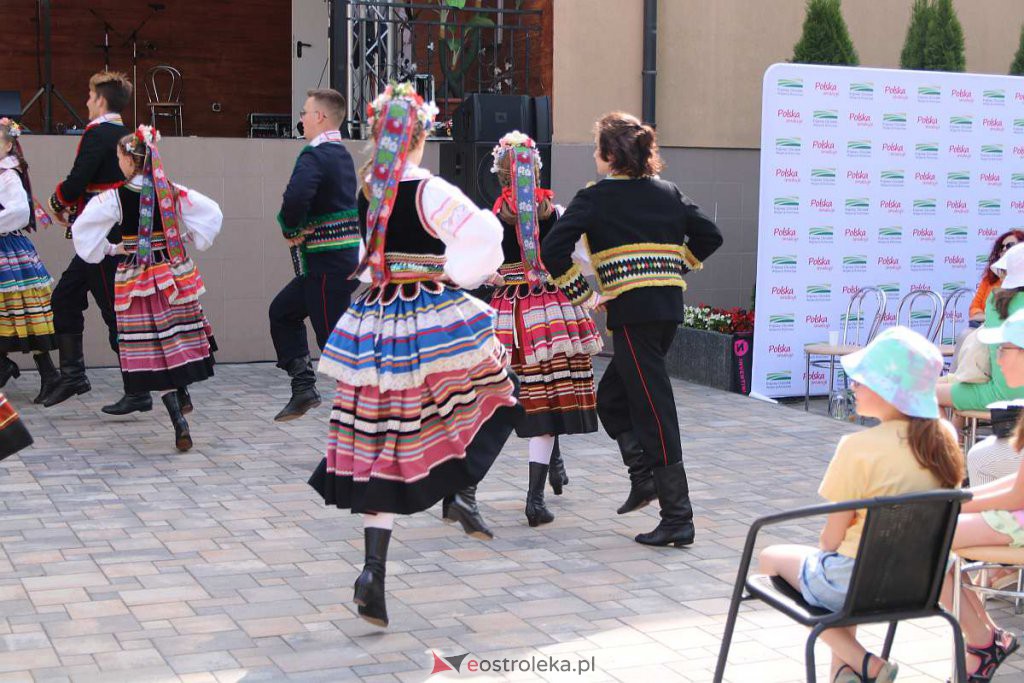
(182, 437)
(48, 375)
(130, 403)
(8, 369)
(463, 510)
(536, 512)
(556, 472)
(185, 399)
(369, 588)
(641, 483)
(304, 394)
(676, 525)
(72, 371)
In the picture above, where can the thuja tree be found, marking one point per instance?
(825, 38)
(944, 47)
(912, 56)
(1017, 68)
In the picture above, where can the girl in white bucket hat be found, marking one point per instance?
(1002, 303)
(912, 450)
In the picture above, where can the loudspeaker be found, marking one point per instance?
(483, 117)
(467, 165)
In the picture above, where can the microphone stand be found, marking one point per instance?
(133, 38)
(107, 29)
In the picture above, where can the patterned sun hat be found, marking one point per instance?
(1010, 332)
(902, 367)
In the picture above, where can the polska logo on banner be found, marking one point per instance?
(899, 180)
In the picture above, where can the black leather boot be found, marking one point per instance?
(185, 399)
(556, 470)
(304, 393)
(536, 512)
(48, 375)
(446, 515)
(676, 525)
(463, 509)
(8, 369)
(369, 588)
(72, 371)
(182, 437)
(641, 484)
(141, 402)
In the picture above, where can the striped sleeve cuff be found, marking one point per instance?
(690, 261)
(574, 285)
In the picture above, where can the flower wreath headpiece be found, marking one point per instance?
(509, 142)
(13, 127)
(426, 112)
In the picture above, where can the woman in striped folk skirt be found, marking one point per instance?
(164, 340)
(26, 320)
(551, 341)
(424, 402)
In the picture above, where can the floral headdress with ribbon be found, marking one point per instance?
(156, 193)
(38, 215)
(398, 109)
(522, 196)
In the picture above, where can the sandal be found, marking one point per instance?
(993, 655)
(846, 674)
(887, 674)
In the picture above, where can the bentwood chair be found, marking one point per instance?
(854, 337)
(163, 90)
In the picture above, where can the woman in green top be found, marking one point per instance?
(1001, 304)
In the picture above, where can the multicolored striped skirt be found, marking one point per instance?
(551, 342)
(419, 371)
(26, 320)
(164, 339)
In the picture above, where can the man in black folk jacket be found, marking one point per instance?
(95, 169)
(319, 219)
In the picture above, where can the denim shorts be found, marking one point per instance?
(825, 579)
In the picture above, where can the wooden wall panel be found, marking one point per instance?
(229, 51)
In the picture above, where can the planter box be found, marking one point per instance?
(720, 361)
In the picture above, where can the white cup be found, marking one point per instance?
(833, 338)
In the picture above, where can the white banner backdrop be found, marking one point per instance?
(898, 179)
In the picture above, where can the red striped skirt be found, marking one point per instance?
(163, 346)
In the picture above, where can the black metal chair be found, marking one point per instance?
(901, 564)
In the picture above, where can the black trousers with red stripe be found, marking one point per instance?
(70, 297)
(635, 393)
(321, 298)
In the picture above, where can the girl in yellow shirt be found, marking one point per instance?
(911, 450)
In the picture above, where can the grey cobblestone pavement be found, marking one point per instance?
(123, 560)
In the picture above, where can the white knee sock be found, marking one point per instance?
(380, 520)
(540, 449)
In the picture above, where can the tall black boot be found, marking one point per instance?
(140, 402)
(182, 437)
(72, 371)
(556, 471)
(536, 512)
(369, 588)
(8, 369)
(185, 399)
(48, 375)
(462, 508)
(676, 525)
(641, 484)
(304, 393)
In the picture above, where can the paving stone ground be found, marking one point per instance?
(123, 560)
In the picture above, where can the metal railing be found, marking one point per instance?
(447, 53)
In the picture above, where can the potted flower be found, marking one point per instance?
(714, 347)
